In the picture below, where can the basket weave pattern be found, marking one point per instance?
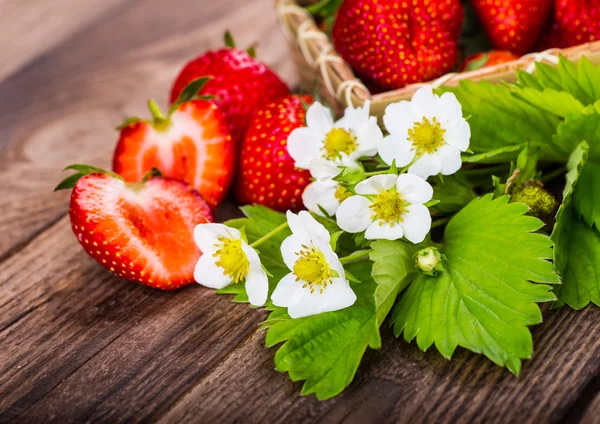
(318, 62)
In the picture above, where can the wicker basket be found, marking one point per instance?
(318, 62)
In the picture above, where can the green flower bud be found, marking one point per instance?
(429, 260)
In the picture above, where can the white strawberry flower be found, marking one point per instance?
(324, 194)
(388, 207)
(323, 144)
(226, 259)
(428, 133)
(317, 282)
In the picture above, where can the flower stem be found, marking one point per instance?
(356, 256)
(269, 235)
(554, 174)
(485, 171)
(440, 222)
(370, 174)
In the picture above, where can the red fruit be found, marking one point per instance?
(578, 21)
(394, 43)
(139, 231)
(513, 25)
(192, 145)
(240, 83)
(551, 37)
(267, 174)
(487, 59)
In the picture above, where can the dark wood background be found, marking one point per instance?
(77, 344)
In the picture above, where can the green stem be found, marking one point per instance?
(440, 222)
(269, 235)
(554, 174)
(370, 174)
(155, 110)
(356, 256)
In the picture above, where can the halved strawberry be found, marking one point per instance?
(142, 232)
(192, 144)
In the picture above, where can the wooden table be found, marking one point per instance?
(77, 344)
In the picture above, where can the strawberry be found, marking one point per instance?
(267, 174)
(240, 83)
(578, 21)
(394, 43)
(513, 25)
(142, 232)
(191, 144)
(487, 59)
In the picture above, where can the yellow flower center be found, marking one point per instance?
(338, 141)
(427, 136)
(342, 193)
(389, 207)
(312, 268)
(232, 259)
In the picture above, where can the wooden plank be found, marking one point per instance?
(27, 31)
(400, 383)
(91, 82)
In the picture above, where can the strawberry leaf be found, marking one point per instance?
(560, 103)
(82, 170)
(500, 155)
(229, 41)
(500, 119)
(577, 246)
(477, 64)
(128, 122)
(486, 296)
(153, 173)
(190, 92)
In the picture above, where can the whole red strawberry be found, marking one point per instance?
(142, 232)
(394, 43)
(513, 25)
(192, 144)
(578, 21)
(267, 174)
(487, 59)
(240, 83)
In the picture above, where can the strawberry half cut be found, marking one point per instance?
(192, 144)
(142, 232)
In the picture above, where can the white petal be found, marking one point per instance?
(207, 236)
(321, 194)
(252, 256)
(425, 104)
(297, 227)
(208, 274)
(304, 145)
(353, 117)
(376, 184)
(289, 247)
(368, 139)
(288, 291)
(354, 214)
(414, 189)
(398, 148)
(451, 107)
(426, 166)
(399, 117)
(451, 160)
(316, 231)
(323, 169)
(319, 118)
(257, 287)
(417, 223)
(459, 136)
(336, 296)
(382, 230)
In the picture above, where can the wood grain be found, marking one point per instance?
(80, 345)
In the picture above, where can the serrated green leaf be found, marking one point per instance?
(486, 297)
(577, 128)
(82, 170)
(190, 92)
(559, 103)
(586, 197)
(393, 270)
(500, 155)
(453, 193)
(128, 122)
(69, 182)
(499, 118)
(325, 350)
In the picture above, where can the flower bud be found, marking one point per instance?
(429, 260)
(542, 204)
